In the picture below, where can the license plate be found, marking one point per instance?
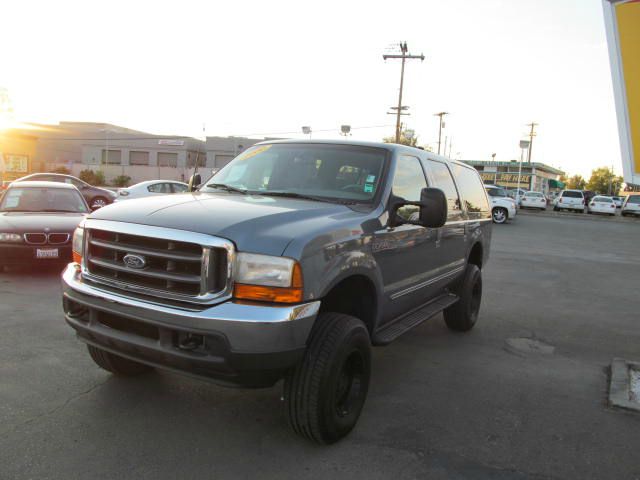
(47, 253)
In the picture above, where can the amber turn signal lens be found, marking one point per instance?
(77, 258)
(268, 294)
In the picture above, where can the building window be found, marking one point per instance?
(166, 159)
(112, 157)
(138, 158)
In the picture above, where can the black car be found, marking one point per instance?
(37, 221)
(96, 197)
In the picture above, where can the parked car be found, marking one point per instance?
(534, 200)
(151, 188)
(631, 206)
(570, 200)
(96, 197)
(618, 201)
(37, 221)
(503, 207)
(602, 204)
(289, 263)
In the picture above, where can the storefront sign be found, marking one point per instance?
(622, 21)
(16, 163)
(506, 179)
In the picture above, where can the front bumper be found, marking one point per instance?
(14, 254)
(236, 344)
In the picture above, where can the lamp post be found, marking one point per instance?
(524, 145)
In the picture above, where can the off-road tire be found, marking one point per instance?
(115, 364)
(463, 315)
(317, 405)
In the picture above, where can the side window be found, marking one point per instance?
(159, 188)
(444, 181)
(472, 191)
(408, 181)
(178, 188)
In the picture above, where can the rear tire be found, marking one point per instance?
(463, 315)
(115, 364)
(325, 392)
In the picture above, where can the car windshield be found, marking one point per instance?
(327, 172)
(42, 199)
(533, 194)
(634, 199)
(603, 199)
(496, 192)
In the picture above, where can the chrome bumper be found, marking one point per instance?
(248, 328)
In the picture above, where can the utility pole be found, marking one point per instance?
(404, 56)
(532, 134)
(441, 114)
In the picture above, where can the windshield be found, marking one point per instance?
(603, 199)
(496, 192)
(571, 194)
(340, 172)
(43, 199)
(633, 199)
(533, 194)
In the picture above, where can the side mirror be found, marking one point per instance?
(433, 210)
(194, 182)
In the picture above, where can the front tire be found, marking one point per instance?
(98, 202)
(115, 364)
(463, 315)
(499, 215)
(325, 393)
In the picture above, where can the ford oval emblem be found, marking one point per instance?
(134, 261)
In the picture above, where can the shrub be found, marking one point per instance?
(63, 170)
(91, 177)
(121, 181)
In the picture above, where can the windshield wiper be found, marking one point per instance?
(309, 197)
(228, 188)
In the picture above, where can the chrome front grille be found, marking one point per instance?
(160, 262)
(46, 238)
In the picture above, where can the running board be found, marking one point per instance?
(412, 319)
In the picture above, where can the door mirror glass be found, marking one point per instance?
(433, 208)
(194, 182)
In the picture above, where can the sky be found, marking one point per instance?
(268, 68)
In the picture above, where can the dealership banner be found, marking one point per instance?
(507, 179)
(622, 22)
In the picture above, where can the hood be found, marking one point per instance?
(26, 222)
(255, 223)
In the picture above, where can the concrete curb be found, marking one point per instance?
(620, 385)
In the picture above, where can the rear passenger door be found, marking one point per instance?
(451, 244)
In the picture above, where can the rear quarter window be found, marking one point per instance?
(472, 191)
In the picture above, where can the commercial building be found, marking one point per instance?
(533, 176)
(116, 150)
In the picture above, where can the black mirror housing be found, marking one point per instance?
(194, 182)
(433, 208)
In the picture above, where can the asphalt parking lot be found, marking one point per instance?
(441, 405)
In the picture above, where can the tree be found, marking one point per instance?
(91, 177)
(603, 180)
(576, 182)
(121, 181)
(407, 137)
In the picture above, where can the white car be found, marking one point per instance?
(618, 201)
(533, 200)
(570, 200)
(601, 204)
(503, 207)
(151, 188)
(631, 205)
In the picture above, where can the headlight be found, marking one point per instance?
(267, 278)
(10, 237)
(76, 246)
